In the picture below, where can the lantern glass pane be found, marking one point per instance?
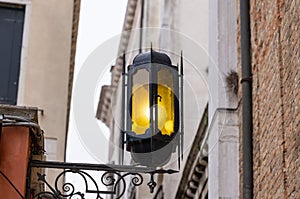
(165, 101)
(140, 102)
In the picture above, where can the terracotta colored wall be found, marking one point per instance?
(14, 155)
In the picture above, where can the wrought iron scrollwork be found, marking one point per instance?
(112, 181)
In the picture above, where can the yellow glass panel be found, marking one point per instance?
(165, 102)
(165, 109)
(140, 109)
(140, 113)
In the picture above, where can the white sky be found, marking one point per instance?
(99, 21)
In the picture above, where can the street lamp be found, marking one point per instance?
(150, 108)
(152, 129)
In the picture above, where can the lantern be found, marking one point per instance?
(151, 107)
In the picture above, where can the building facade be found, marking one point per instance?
(38, 41)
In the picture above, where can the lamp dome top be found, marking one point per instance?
(152, 57)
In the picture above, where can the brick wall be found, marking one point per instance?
(290, 75)
(276, 97)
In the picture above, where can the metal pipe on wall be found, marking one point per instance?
(247, 126)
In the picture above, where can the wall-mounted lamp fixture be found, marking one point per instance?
(152, 125)
(152, 129)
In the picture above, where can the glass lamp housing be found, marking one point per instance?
(152, 119)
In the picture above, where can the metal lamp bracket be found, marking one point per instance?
(113, 177)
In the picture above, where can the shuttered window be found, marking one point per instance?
(11, 31)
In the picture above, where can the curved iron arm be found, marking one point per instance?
(113, 179)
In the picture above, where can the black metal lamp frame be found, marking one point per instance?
(152, 140)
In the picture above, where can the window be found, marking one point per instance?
(11, 32)
(51, 149)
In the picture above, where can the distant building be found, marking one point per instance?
(37, 53)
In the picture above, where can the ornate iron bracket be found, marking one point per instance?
(113, 178)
